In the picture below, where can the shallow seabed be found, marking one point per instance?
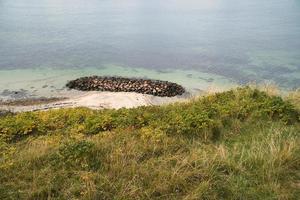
(30, 83)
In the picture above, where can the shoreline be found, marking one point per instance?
(93, 100)
(50, 82)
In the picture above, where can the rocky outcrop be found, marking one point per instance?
(120, 84)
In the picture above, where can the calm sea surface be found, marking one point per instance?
(44, 43)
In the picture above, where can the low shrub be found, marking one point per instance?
(239, 144)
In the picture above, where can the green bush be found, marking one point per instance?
(200, 118)
(239, 144)
(76, 154)
(95, 125)
(13, 128)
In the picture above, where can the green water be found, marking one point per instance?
(196, 43)
(50, 82)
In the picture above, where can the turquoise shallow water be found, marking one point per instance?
(50, 82)
(197, 43)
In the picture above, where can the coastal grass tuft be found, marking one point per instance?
(239, 144)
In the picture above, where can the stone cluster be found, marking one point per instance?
(120, 84)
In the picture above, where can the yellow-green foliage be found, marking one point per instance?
(294, 97)
(202, 118)
(240, 144)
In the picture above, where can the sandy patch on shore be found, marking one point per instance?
(99, 100)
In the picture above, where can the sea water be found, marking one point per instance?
(196, 43)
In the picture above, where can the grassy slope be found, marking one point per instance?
(241, 144)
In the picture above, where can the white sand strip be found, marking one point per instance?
(99, 100)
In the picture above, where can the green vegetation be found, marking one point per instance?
(240, 144)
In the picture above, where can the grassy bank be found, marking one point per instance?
(240, 144)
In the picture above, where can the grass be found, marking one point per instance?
(240, 144)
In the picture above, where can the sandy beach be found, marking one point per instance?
(98, 100)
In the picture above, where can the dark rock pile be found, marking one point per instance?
(120, 84)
